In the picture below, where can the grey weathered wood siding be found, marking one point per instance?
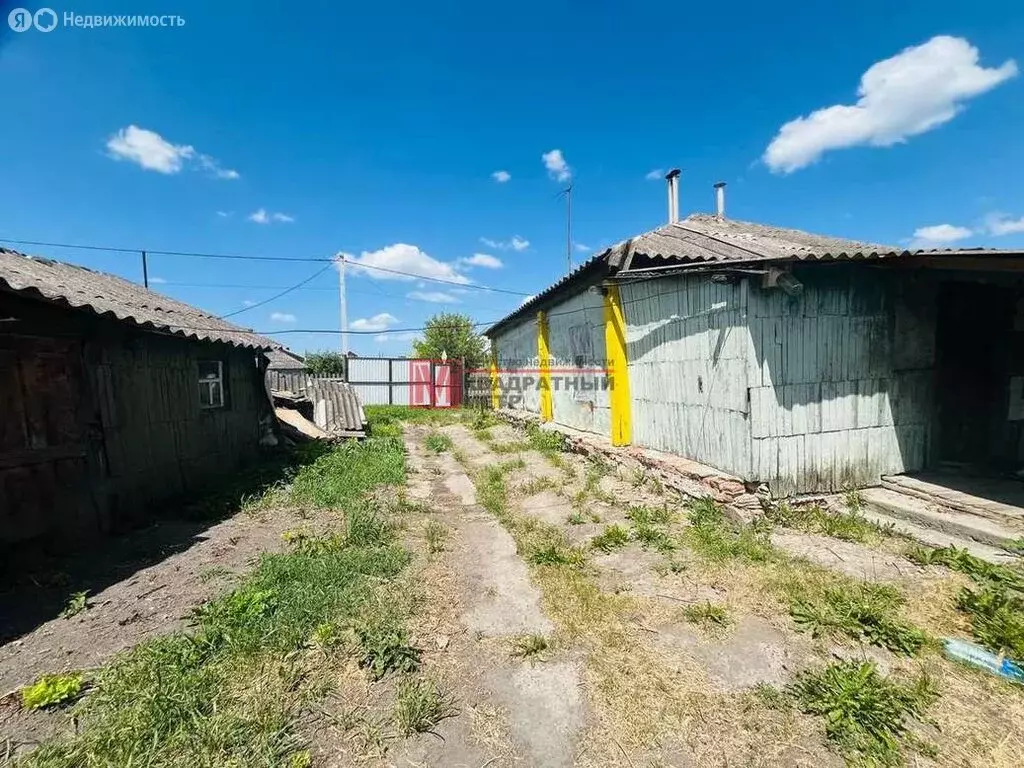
(517, 351)
(688, 350)
(577, 345)
(840, 379)
(824, 391)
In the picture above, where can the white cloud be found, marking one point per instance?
(248, 303)
(526, 299)
(581, 247)
(384, 338)
(1000, 224)
(558, 169)
(517, 243)
(403, 258)
(437, 297)
(483, 260)
(501, 176)
(654, 175)
(938, 235)
(224, 214)
(157, 281)
(916, 90)
(282, 317)
(379, 322)
(263, 217)
(151, 151)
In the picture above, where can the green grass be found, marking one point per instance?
(996, 608)
(865, 713)
(981, 571)
(997, 618)
(421, 705)
(708, 614)
(387, 420)
(438, 443)
(436, 535)
(848, 526)
(529, 646)
(350, 470)
(51, 691)
(862, 611)
(77, 603)
(612, 537)
(716, 539)
(231, 690)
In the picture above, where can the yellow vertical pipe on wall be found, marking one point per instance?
(547, 411)
(618, 367)
(495, 386)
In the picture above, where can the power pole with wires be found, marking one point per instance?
(343, 303)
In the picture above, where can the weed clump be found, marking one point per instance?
(77, 603)
(527, 646)
(421, 705)
(863, 612)
(865, 713)
(715, 539)
(438, 443)
(709, 614)
(613, 537)
(997, 618)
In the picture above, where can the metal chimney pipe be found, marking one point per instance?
(720, 199)
(672, 177)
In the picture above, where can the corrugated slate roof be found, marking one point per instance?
(110, 296)
(704, 239)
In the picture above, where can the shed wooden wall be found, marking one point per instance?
(102, 422)
(840, 378)
(688, 349)
(517, 350)
(577, 344)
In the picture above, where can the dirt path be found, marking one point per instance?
(513, 711)
(665, 650)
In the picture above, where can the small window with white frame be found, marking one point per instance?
(211, 384)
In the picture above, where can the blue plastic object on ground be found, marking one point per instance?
(981, 657)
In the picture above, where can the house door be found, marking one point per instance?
(974, 361)
(46, 452)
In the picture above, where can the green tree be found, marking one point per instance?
(455, 335)
(325, 362)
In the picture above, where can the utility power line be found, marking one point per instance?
(244, 257)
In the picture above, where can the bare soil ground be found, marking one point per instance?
(139, 585)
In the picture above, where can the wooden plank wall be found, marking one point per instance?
(688, 347)
(840, 379)
(159, 443)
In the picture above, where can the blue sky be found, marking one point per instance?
(366, 127)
